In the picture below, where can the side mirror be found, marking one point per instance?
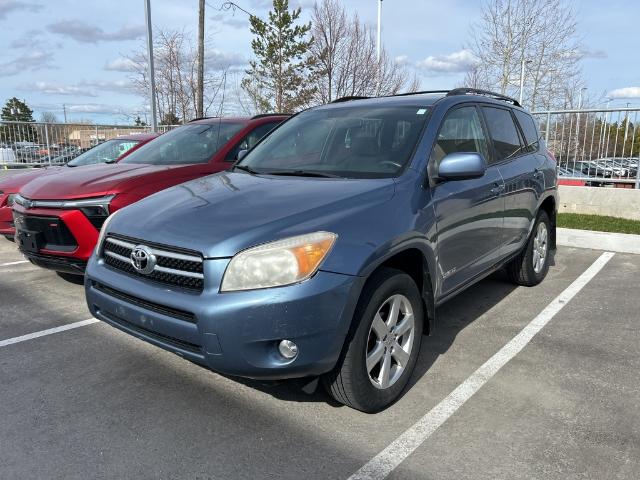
(241, 154)
(461, 166)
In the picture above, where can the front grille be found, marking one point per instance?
(55, 233)
(176, 267)
(152, 306)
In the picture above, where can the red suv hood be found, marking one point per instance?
(13, 183)
(97, 180)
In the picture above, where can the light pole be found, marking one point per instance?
(152, 78)
(522, 64)
(378, 44)
(578, 120)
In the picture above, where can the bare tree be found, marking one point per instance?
(176, 62)
(48, 117)
(540, 33)
(345, 52)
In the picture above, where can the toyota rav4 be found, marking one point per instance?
(327, 248)
(58, 216)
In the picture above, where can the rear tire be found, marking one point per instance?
(532, 264)
(379, 341)
(71, 278)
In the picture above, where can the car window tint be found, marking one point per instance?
(188, 144)
(461, 131)
(530, 130)
(104, 152)
(503, 131)
(250, 139)
(350, 141)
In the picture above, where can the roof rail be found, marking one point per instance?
(486, 93)
(348, 99)
(264, 115)
(418, 93)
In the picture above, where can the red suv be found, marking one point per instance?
(110, 151)
(58, 217)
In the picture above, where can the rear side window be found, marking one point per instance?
(461, 131)
(530, 130)
(503, 131)
(250, 139)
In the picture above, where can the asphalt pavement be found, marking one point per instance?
(92, 402)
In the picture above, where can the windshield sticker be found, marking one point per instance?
(421, 111)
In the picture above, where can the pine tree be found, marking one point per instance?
(278, 80)
(17, 111)
(138, 122)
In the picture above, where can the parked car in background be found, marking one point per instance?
(108, 152)
(58, 217)
(326, 249)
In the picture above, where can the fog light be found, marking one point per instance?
(288, 349)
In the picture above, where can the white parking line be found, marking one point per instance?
(49, 331)
(387, 460)
(13, 263)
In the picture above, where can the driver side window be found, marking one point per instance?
(461, 131)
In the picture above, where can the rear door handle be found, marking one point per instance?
(497, 189)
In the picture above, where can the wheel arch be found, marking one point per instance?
(417, 260)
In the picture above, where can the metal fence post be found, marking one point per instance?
(46, 137)
(638, 174)
(546, 134)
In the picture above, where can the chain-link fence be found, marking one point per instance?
(597, 147)
(27, 144)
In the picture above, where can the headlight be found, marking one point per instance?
(102, 233)
(278, 263)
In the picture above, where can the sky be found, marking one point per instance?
(73, 52)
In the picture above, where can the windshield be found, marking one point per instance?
(195, 143)
(352, 142)
(105, 152)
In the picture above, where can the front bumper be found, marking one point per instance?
(70, 258)
(6, 222)
(232, 333)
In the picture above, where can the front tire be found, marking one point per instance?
(383, 344)
(531, 266)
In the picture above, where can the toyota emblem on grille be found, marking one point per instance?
(142, 259)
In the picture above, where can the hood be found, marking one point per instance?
(90, 180)
(13, 183)
(224, 213)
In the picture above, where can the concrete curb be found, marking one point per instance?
(613, 242)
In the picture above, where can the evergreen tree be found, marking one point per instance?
(278, 80)
(17, 111)
(139, 122)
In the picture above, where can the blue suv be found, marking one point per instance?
(328, 246)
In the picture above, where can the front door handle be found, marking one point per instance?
(497, 189)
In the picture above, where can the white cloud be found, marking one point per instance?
(231, 20)
(80, 89)
(401, 60)
(627, 92)
(219, 60)
(456, 62)
(82, 32)
(8, 6)
(122, 64)
(31, 61)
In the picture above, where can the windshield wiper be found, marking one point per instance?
(246, 168)
(301, 173)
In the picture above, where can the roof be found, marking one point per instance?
(142, 137)
(209, 120)
(426, 98)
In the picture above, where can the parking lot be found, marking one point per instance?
(91, 402)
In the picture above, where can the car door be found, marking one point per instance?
(520, 166)
(469, 213)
